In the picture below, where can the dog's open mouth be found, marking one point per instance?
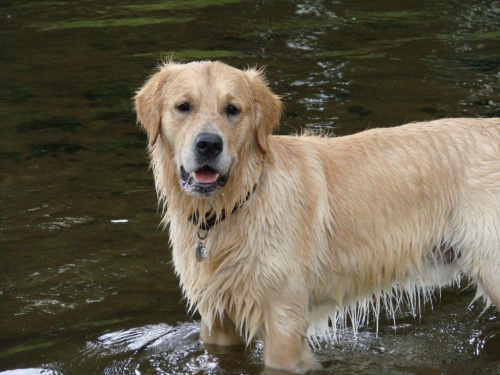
(205, 175)
(203, 181)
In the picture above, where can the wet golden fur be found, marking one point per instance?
(335, 226)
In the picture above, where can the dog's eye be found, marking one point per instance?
(184, 107)
(232, 110)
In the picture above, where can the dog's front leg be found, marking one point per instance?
(221, 333)
(286, 348)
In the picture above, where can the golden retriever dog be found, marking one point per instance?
(277, 234)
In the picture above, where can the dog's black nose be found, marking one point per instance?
(208, 145)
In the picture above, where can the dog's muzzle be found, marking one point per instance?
(207, 178)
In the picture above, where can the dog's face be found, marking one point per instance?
(206, 113)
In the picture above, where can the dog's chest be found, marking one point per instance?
(232, 269)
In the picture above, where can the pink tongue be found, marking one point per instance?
(206, 177)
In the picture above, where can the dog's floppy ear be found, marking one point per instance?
(148, 103)
(267, 108)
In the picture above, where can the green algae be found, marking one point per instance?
(193, 54)
(129, 22)
(26, 348)
(179, 4)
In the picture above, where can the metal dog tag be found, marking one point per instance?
(201, 252)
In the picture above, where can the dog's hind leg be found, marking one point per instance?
(479, 237)
(489, 281)
(481, 257)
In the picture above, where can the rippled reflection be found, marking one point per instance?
(30, 371)
(177, 349)
(86, 281)
(166, 349)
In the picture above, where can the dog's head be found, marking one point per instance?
(207, 115)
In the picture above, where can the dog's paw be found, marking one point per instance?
(308, 363)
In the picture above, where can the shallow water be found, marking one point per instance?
(86, 284)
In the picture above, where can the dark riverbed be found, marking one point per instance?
(86, 284)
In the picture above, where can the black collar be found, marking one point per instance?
(211, 219)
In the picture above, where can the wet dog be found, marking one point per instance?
(277, 234)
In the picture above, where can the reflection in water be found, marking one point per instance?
(166, 349)
(144, 338)
(64, 223)
(30, 371)
(86, 283)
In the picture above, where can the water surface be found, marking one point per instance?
(86, 284)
